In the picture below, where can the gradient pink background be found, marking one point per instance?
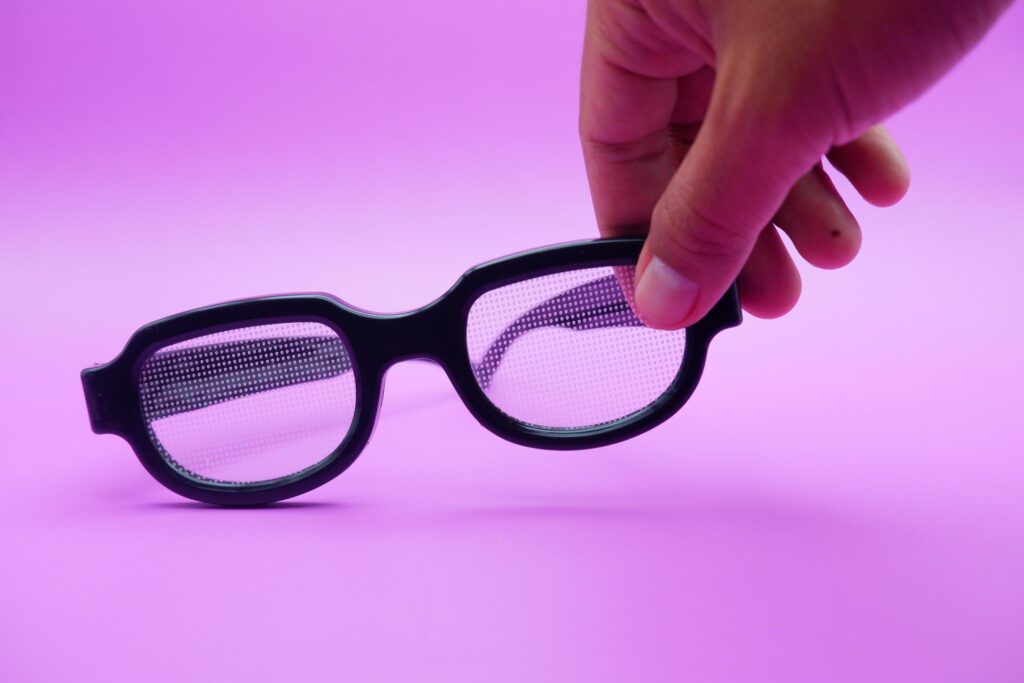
(841, 500)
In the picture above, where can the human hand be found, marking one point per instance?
(709, 119)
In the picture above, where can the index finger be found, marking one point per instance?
(623, 119)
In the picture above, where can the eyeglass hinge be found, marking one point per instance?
(98, 399)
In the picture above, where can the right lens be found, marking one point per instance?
(566, 351)
(252, 404)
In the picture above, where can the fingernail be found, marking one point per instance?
(664, 297)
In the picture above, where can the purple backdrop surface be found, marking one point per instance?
(841, 500)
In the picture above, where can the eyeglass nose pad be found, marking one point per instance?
(420, 388)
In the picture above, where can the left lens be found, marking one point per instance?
(566, 351)
(252, 404)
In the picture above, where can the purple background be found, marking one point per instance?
(841, 500)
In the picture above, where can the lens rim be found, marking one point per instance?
(112, 393)
(599, 253)
(169, 458)
(606, 270)
(436, 332)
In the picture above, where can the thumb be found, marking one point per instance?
(730, 184)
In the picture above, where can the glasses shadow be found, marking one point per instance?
(749, 514)
(281, 505)
(501, 507)
(749, 511)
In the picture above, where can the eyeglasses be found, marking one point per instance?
(255, 401)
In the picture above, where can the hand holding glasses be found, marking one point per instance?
(255, 401)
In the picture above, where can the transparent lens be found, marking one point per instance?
(567, 351)
(252, 404)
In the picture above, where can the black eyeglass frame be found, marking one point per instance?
(436, 332)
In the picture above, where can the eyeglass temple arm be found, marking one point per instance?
(601, 303)
(204, 375)
(593, 305)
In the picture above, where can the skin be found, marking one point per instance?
(709, 120)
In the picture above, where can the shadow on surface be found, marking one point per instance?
(282, 505)
(751, 513)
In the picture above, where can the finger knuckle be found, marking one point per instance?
(642, 150)
(698, 237)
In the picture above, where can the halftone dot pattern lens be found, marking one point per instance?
(252, 404)
(567, 351)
